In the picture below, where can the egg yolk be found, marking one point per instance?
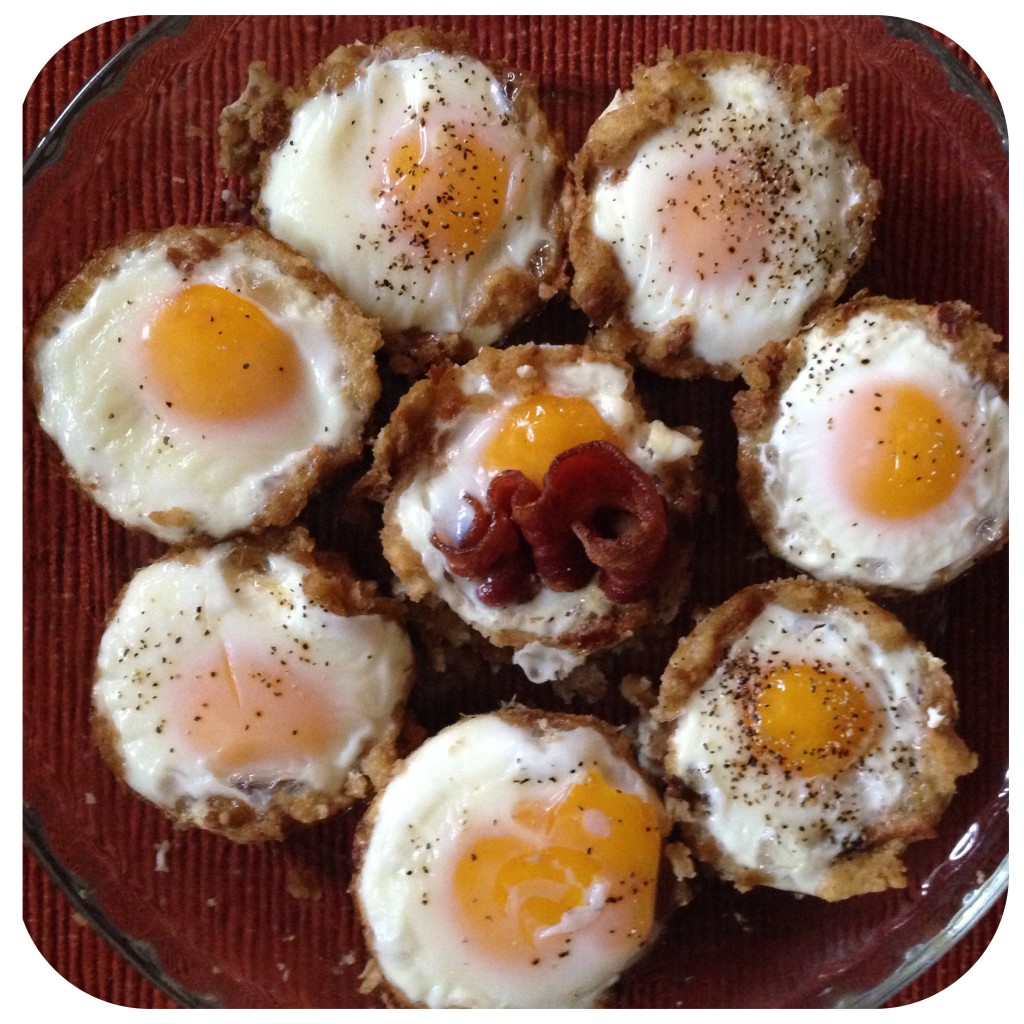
(811, 720)
(241, 715)
(535, 431)
(716, 220)
(588, 858)
(448, 189)
(899, 453)
(213, 355)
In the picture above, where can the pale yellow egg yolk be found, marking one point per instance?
(241, 716)
(213, 355)
(811, 720)
(591, 854)
(448, 189)
(536, 430)
(899, 453)
(717, 220)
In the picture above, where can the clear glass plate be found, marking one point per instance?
(220, 925)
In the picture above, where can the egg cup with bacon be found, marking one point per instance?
(527, 495)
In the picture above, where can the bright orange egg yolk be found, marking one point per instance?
(716, 221)
(586, 860)
(447, 188)
(241, 716)
(213, 355)
(809, 719)
(538, 429)
(898, 453)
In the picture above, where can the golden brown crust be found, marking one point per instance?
(254, 125)
(412, 443)
(330, 583)
(772, 370)
(186, 248)
(660, 95)
(942, 757)
(256, 122)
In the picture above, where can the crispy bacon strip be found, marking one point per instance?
(493, 552)
(558, 553)
(597, 509)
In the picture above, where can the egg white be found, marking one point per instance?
(134, 454)
(321, 191)
(175, 619)
(467, 777)
(815, 527)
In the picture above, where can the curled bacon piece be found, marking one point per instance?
(597, 512)
(493, 552)
(597, 509)
(558, 553)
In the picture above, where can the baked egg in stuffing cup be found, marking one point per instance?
(202, 381)
(874, 446)
(425, 181)
(526, 495)
(513, 860)
(805, 739)
(718, 207)
(251, 686)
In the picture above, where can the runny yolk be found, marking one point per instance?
(899, 453)
(213, 355)
(585, 861)
(242, 716)
(447, 188)
(538, 429)
(811, 720)
(717, 221)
